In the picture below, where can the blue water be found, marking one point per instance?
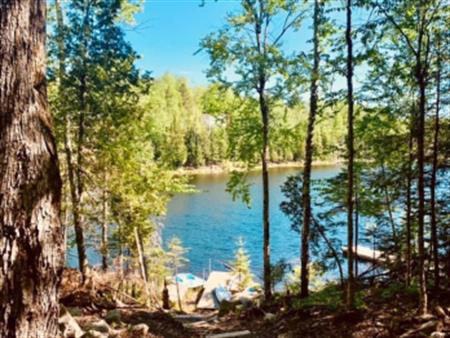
(209, 222)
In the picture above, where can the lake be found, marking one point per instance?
(209, 223)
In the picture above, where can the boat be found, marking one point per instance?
(188, 280)
(221, 293)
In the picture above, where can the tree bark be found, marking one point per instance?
(265, 180)
(31, 236)
(408, 208)
(142, 261)
(421, 82)
(265, 112)
(306, 194)
(104, 243)
(434, 234)
(355, 256)
(350, 153)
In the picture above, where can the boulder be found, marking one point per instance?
(68, 325)
(140, 329)
(269, 316)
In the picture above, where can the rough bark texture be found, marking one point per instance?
(31, 237)
(350, 154)
(306, 194)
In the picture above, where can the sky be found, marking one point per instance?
(168, 33)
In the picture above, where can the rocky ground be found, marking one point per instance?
(95, 310)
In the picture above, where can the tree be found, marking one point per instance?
(176, 260)
(94, 81)
(319, 236)
(250, 46)
(350, 157)
(241, 265)
(313, 101)
(434, 170)
(413, 21)
(30, 185)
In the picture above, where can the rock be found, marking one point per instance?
(113, 316)
(269, 316)
(438, 335)
(283, 335)
(140, 329)
(426, 317)
(100, 326)
(440, 312)
(68, 325)
(95, 334)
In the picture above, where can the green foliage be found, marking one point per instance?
(396, 289)
(241, 265)
(315, 278)
(239, 188)
(176, 255)
(330, 296)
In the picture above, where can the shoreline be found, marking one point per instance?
(227, 167)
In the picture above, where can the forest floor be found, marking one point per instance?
(388, 310)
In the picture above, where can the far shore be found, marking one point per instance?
(227, 167)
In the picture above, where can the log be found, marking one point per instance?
(244, 333)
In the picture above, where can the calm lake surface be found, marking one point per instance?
(209, 222)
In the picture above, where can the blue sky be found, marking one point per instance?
(168, 33)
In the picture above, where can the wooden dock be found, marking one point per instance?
(370, 255)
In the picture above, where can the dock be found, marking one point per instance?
(216, 278)
(370, 255)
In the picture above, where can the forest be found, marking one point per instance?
(94, 147)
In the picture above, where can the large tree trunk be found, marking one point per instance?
(350, 154)
(306, 194)
(31, 235)
(434, 234)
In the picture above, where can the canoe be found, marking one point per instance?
(188, 280)
(222, 294)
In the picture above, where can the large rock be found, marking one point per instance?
(68, 325)
(140, 329)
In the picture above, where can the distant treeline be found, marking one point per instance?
(197, 126)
